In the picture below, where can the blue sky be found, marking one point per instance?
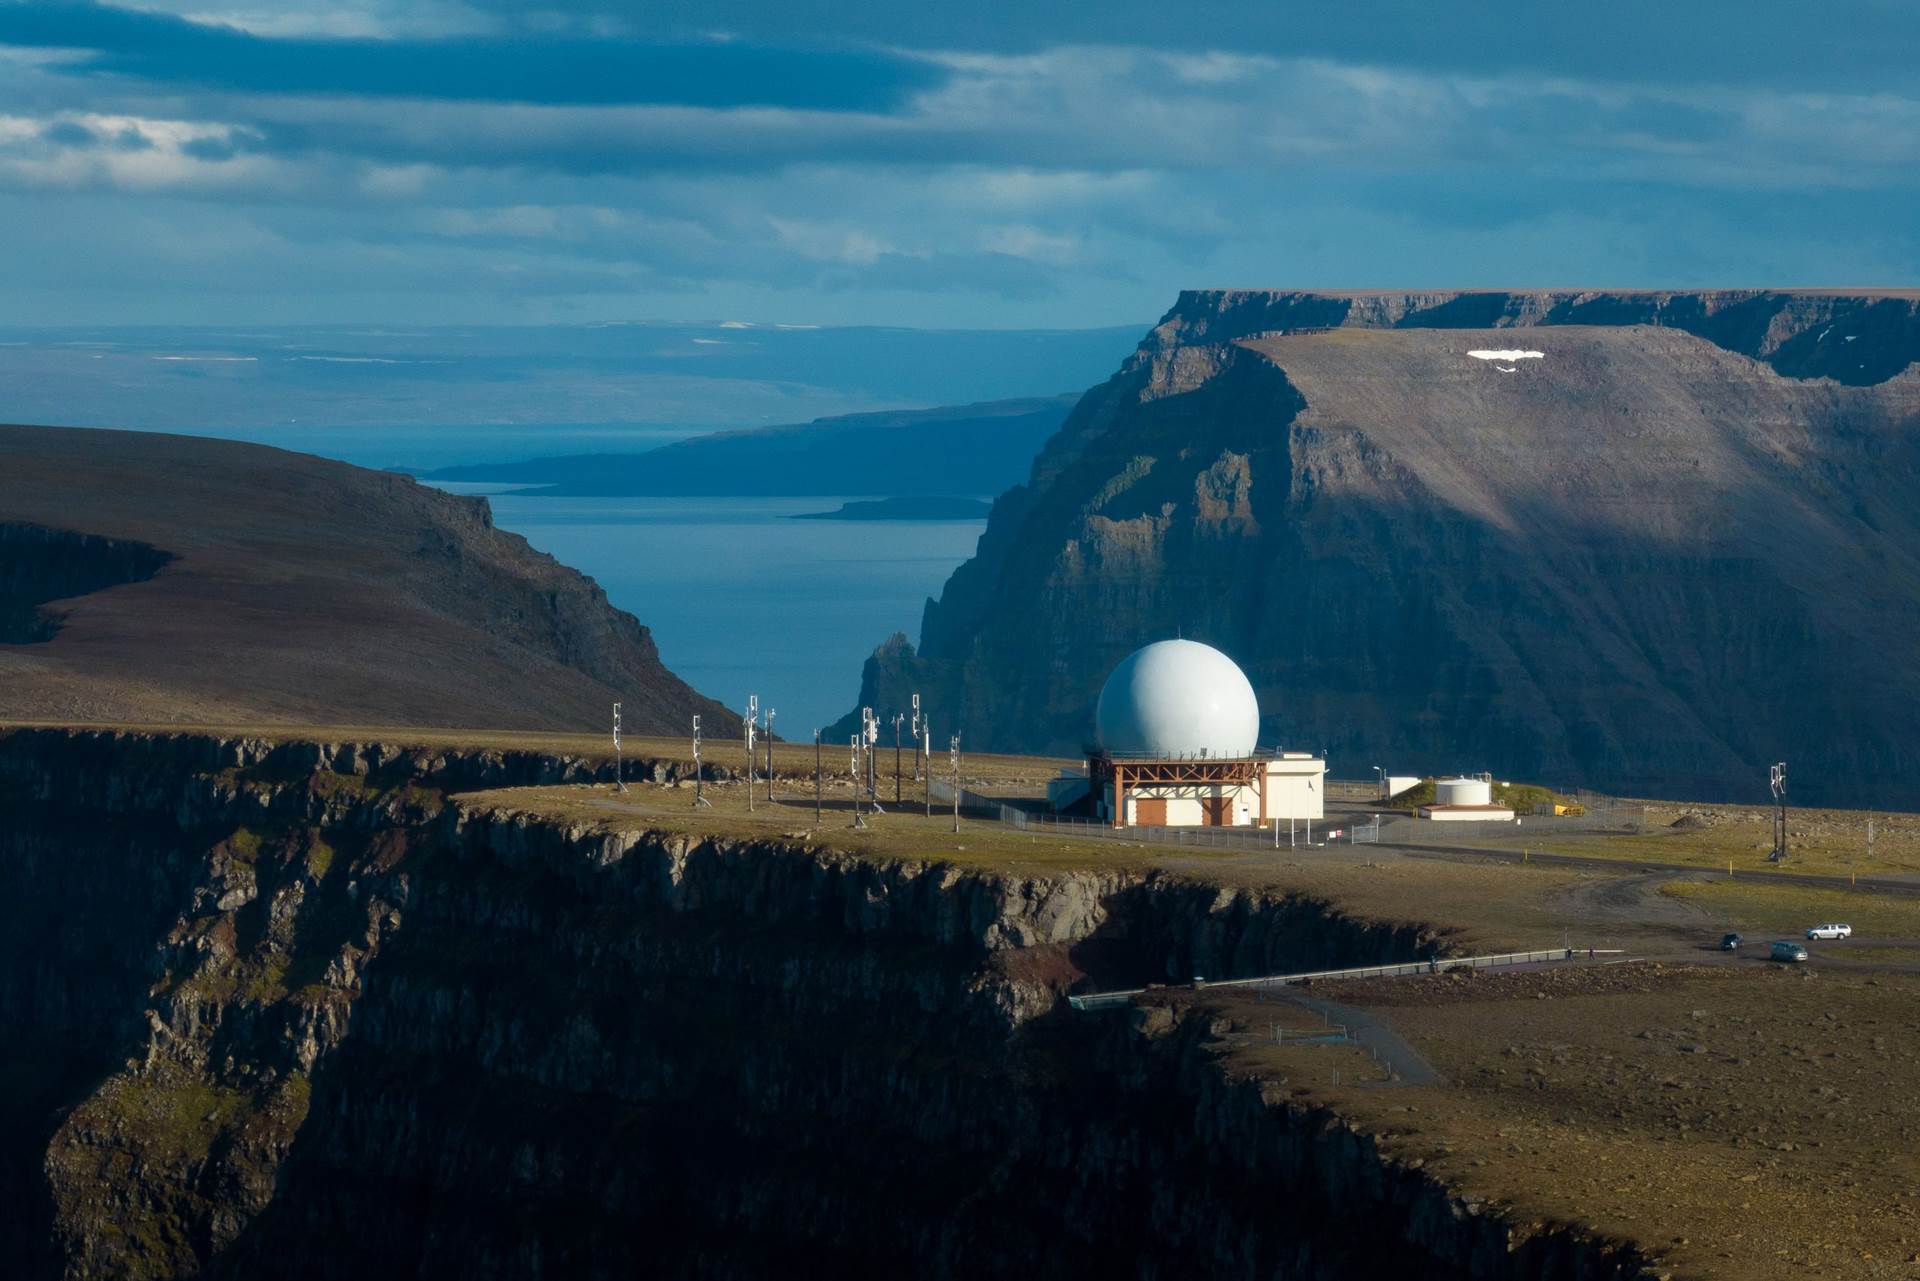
(993, 165)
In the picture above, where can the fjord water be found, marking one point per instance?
(741, 598)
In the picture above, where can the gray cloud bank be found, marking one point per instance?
(956, 166)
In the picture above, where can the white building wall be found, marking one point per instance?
(1296, 789)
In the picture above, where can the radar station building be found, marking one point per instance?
(1177, 725)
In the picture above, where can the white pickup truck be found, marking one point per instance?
(1830, 932)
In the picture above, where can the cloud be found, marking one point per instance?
(518, 67)
(368, 161)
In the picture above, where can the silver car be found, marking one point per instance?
(1830, 931)
(1787, 950)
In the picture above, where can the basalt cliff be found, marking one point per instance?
(291, 1009)
(1641, 542)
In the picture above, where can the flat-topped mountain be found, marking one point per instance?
(150, 578)
(1643, 542)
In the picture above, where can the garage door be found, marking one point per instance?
(1150, 811)
(1216, 811)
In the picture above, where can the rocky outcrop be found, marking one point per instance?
(318, 1021)
(1674, 546)
(40, 565)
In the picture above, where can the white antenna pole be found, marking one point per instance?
(853, 769)
(916, 738)
(897, 719)
(753, 718)
(870, 740)
(619, 774)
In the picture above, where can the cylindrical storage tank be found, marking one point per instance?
(1462, 791)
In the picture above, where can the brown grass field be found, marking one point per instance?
(1735, 1117)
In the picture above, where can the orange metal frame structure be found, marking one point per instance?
(1123, 774)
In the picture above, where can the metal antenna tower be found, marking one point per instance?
(897, 720)
(916, 738)
(816, 778)
(698, 771)
(751, 728)
(870, 737)
(853, 769)
(619, 773)
(1777, 781)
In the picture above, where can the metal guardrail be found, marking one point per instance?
(1435, 965)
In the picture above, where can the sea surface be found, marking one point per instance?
(743, 600)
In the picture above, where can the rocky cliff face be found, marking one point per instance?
(1674, 545)
(286, 1009)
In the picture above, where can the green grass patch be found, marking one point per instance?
(319, 858)
(174, 1119)
(1132, 474)
(269, 981)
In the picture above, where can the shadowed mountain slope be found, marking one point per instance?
(151, 578)
(1650, 559)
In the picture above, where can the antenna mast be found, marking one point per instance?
(870, 738)
(1777, 781)
(619, 774)
(915, 726)
(749, 729)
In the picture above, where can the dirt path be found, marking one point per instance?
(1368, 1032)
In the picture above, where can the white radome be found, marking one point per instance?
(1178, 698)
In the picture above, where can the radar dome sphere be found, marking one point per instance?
(1178, 698)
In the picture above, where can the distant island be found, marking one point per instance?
(905, 509)
(967, 449)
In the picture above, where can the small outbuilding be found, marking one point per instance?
(1465, 800)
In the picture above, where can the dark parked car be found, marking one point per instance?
(1729, 942)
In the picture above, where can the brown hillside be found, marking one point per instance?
(152, 578)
